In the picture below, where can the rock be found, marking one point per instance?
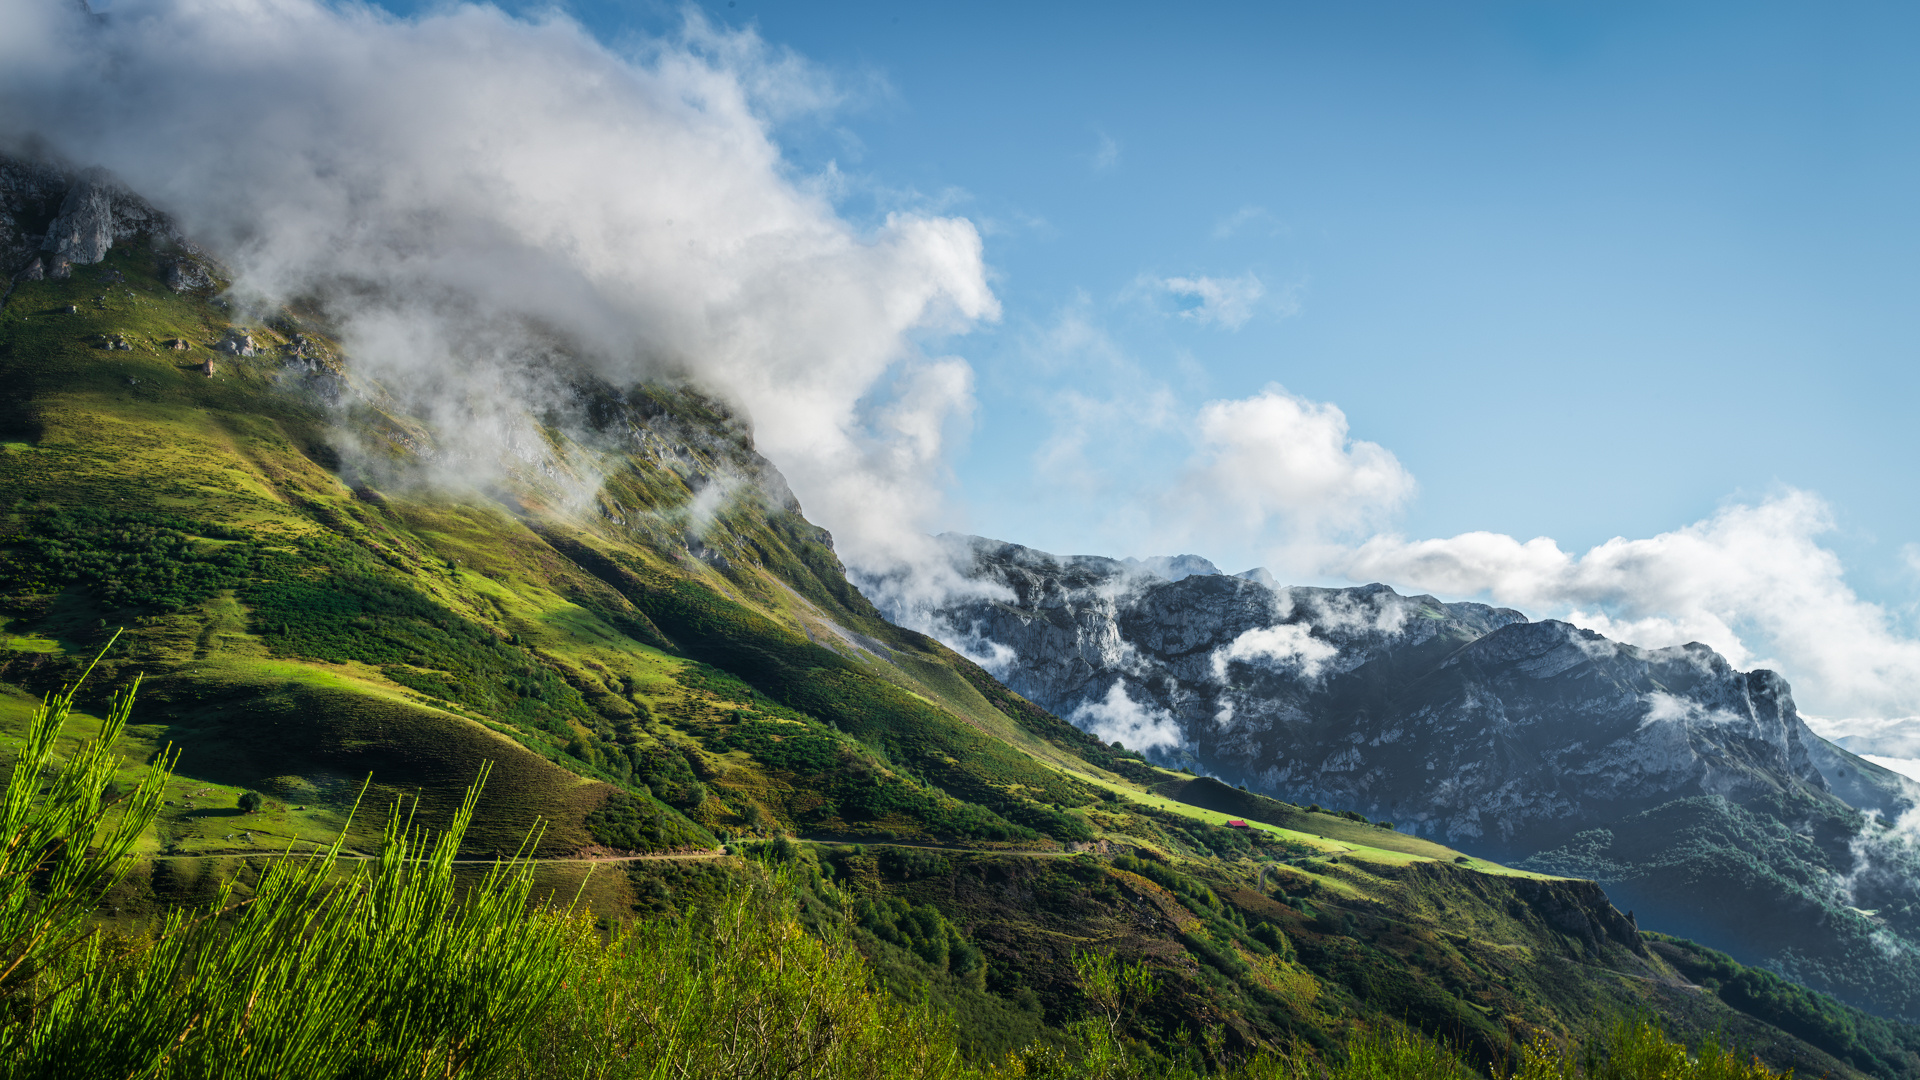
(236, 344)
(83, 232)
(177, 344)
(207, 369)
(61, 270)
(182, 274)
(1459, 721)
(1691, 790)
(113, 277)
(35, 271)
(114, 342)
(73, 309)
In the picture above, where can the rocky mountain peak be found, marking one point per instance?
(1462, 721)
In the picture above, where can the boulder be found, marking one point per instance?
(184, 274)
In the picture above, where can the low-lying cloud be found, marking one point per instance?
(499, 186)
(1134, 725)
(1287, 646)
(1752, 581)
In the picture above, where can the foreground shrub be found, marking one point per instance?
(739, 991)
(394, 971)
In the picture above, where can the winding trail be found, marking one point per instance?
(357, 857)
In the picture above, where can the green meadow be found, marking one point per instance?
(733, 822)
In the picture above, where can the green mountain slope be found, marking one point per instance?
(646, 679)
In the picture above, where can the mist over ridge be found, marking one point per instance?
(480, 198)
(474, 196)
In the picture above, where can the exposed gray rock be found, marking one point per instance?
(1461, 721)
(35, 271)
(1692, 790)
(236, 344)
(182, 273)
(74, 216)
(83, 233)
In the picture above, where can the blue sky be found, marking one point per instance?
(1586, 270)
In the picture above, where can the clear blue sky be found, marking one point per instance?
(1586, 269)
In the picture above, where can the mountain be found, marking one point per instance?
(1692, 791)
(631, 618)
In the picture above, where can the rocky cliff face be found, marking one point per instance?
(1461, 721)
(53, 219)
(1480, 728)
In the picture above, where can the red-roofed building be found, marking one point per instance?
(1236, 823)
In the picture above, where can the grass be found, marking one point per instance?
(300, 630)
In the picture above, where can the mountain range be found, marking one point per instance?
(630, 618)
(1694, 792)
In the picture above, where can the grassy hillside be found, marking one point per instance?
(647, 681)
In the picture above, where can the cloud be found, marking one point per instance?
(1118, 718)
(1228, 302)
(1248, 219)
(1280, 467)
(1907, 767)
(1664, 708)
(1288, 646)
(1106, 154)
(1752, 581)
(475, 194)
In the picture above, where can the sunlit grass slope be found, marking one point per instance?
(303, 628)
(649, 674)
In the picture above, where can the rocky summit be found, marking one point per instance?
(1691, 789)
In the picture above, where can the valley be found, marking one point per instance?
(679, 694)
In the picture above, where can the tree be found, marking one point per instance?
(250, 802)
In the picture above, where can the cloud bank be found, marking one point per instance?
(1752, 581)
(1282, 479)
(468, 188)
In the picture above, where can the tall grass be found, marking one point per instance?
(392, 969)
(68, 840)
(740, 991)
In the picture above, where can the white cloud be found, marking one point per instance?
(1276, 466)
(1290, 646)
(1664, 708)
(1907, 767)
(1248, 219)
(1228, 302)
(1751, 581)
(497, 184)
(1118, 718)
